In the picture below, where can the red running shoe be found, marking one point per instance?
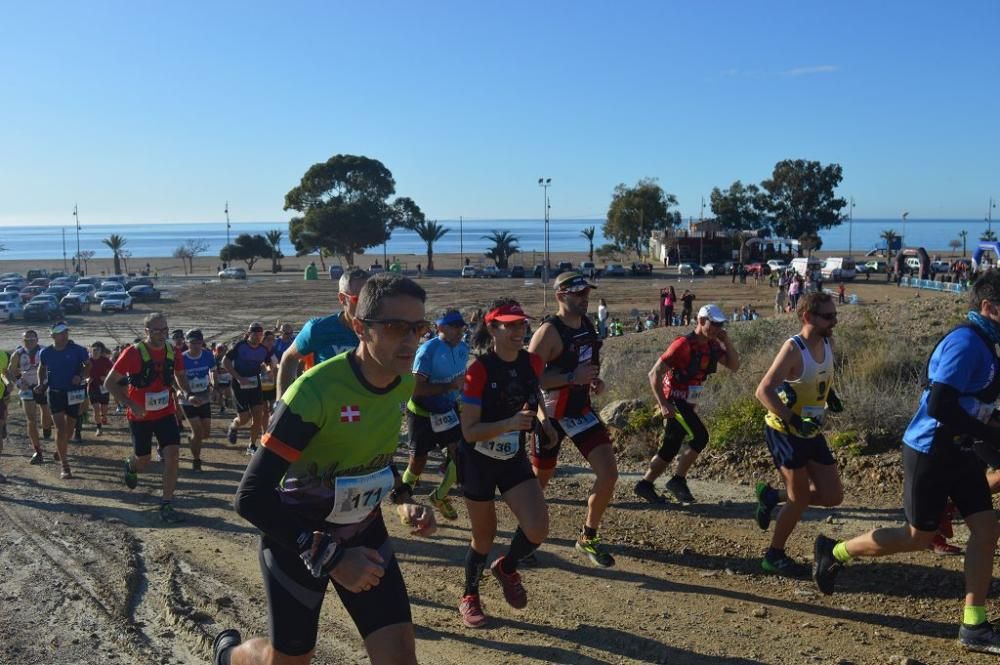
(513, 590)
(941, 546)
(472, 612)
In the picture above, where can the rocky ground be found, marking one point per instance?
(89, 575)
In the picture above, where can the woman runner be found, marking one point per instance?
(501, 400)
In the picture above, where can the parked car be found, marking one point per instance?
(492, 271)
(29, 292)
(10, 307)
(587, 266)
(690, 269)
(93, 281)
(564, 266)
(758, 268)
(714, 268)
(537, 272)
(57, 274)
(144, 293)
(614, 270)
(470, 271)
(877, 265)
(940, 266)
(233, 273)
(86, 290)
(40, 281)
(116, 302)
(807, 265)
(777, 265)
(57, 290)
(38, 272)
(108, 288)
(641, 269)
(117, 278)
(912, 263)
(75, 303)
(68, 282)
(138, 281)
(839, 269)
(10, 275)
(12, 288)
(42, 308)
(517, 271)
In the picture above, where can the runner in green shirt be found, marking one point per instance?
(315, 486)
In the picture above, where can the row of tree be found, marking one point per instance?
(797, 201)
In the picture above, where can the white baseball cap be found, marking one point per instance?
(712, 313)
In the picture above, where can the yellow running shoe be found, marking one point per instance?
(444, 507)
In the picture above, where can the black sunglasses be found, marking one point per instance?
(400, 327)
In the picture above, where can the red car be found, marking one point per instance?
(29, 292)
(758, 268)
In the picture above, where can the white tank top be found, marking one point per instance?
(28, 365)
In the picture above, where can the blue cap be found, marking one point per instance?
(451, 318)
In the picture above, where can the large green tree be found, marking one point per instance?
(344, 206)
(247, 248)
(635, 212)
(430, 233)
(504, 247)
(739, 209)
(116, 244)
(801, 198)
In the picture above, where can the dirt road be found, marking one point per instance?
(89, 575)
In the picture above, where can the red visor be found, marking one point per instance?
(506, 314)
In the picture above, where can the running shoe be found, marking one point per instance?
(513, 590)
(231, 435)
(646, 490)
(983, 637)
(940, 545)
(131, 477)
(825, 565)
(595, 551)
(764, 507)
(444, 507)
(679, 488)
(251, 449)
(37, 458)
(472, 612)
(785, 566)
(47, 434)
(196, 465)
(224, 641)
(98, 431)
(168, 515)
(66, 474)
(55, 455)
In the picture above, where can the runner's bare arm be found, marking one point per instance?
(228, 364)
(288, 369)
(43, 375)
(182, 381)
(547, 344)
(787, 365)
(113, 383)
(732, 358)
(656, 375)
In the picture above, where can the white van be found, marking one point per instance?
(803, 265)
(839, 269)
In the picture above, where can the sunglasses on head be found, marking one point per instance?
(400, 327)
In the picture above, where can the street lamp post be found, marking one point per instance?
(545, 183)
(461, 243)
(850, 230)
(227, 222)
(989, 217)
(65, 266)
(76, 214)
(902, 238)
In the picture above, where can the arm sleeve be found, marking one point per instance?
(257, 499)
(475, 381)
(943, 406)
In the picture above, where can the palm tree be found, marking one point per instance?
(430, 233)
(963, 234)
(890, 237)
(988, 236)
(588, 233)
(273, 238)
(116, 243)
(504, 247)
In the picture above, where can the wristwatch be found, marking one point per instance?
(570, 376)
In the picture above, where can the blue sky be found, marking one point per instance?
(152, 112)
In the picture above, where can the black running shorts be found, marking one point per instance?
(793, 452)
(930, 479)
(295, 597)
(165, 429)
(481, 476)
(246, 398)
(423, 438)
(203, 411)
(58, 403)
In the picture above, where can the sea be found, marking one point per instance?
(160, 240)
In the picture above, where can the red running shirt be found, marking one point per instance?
(129, 363)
